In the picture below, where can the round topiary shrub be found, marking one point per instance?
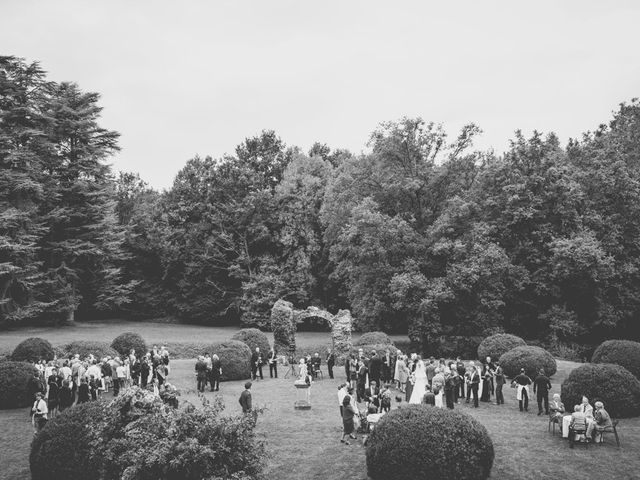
(235, 359)
(16, 384)
(62, 449)
(620, 352)
(283, 326)
(532, 359)
(374, 338)
(253, 338)
(496, 345)
(124, 342)
(418, 441)
(613, 385)
(85, 348)
(32, 350)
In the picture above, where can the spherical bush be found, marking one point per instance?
(621, 352)
(124, 342)
(379, 348)
(85, 348)
(253, 338)
(32, 350)
(495, 345)
(418, 441)
(374, 338)
(235, 359)
(532, 359)
(16, 384)
(62, 449)
(613, 385)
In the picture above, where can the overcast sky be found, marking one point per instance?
(196, 77)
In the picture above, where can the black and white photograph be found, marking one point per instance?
(296, 240)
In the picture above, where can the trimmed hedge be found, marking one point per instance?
(374, 338)
(496, 345)
(235, 359)
(32, 350)
(532, 359)
(253, 338)
(62, 449)
(620, 352)
(418, 441)
(613, 385)
(85, 348)
(124, 342)
(16, 384)
(283, 326)
(379, 348)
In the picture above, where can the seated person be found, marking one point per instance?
(556, 408)
(315, 363)
(372, 395)
(586, 407)
(578, 422)
(385, 399)
(602, 420)
(429, 398)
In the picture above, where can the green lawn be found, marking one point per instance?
(305, 444)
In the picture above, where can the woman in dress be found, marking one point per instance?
(403, 372)
(420, 384)
(437, 385)
(348, 412)
(486, 383)
(396, 373)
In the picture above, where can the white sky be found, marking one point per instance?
(197, 77)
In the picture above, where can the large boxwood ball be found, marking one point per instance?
(62, 448)
(613, 385)
(124, 342)
(253, 338)
(374, 338)
(496, 345)
(32, 350)
(235, 359)
(418, 441)
(16, 380)
(621, 352)
(85, 348)
(532, 359)
(379, 348)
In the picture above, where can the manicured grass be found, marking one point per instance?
(305, 444)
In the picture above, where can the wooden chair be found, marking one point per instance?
(554, 420)
(578, 430)
(612, 429)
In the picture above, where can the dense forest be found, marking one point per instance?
(421, 234)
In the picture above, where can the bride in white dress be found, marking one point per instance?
(420, 385)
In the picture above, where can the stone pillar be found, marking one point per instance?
(283, 326)
(303, 395)
(341, 333)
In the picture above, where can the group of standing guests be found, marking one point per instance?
(59, 384)
(208, 371)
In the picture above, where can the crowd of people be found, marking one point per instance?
(61, 383)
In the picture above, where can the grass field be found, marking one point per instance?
(305, 444)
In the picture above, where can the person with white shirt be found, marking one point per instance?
(39, 413)
(342, 392)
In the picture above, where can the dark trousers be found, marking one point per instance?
(449, 396)
(525, 401)
(499, 395)
(255, 371)
(543, 397)
(474, 392)
(360, 392)
(461, 388)
(273, 369)
(215, 382)
(202, 383)
(116, 386)
(330, 368)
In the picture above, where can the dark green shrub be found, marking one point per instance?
(124, 342)
(621, 352)
(17, 384)
(32, 350)
(374, 338)
(379, 348)
(253, 338)
(283, 326)
(613, 385)
(452, 346)
(235, 359)
(496, 345)
(62, 449)
(85, 348)
(418, 441)
(532, 359)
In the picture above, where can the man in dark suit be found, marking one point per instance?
(541, 387)
(331, 361)
(256, 364)
(388, 366)
(460, 367)
(474, 381)
(375, 368)
(245, 398)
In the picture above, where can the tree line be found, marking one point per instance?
(423, 233)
